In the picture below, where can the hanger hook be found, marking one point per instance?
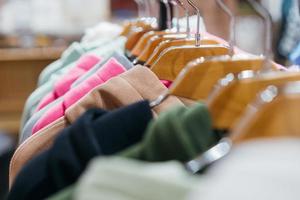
(197, 36)
(187, 15)
(232, 37)
(264, 13)
(141, 10)
(176, 6)
(147, 8)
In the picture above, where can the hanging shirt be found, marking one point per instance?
(70, 55)
(63, 85)
(118, 56)
(97, 132)
(110, 69)
(27, 130)
(35, 97)
(102, 50)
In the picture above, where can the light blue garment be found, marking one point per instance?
(35, 97)
(26, 132)
(70, 55)
(118, 56)
(33, 100)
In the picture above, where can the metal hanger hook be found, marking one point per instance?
(141, 8)
(147, 8)
(181, 5)
(187, 15)
(197, 36)
(232, 38)
(264, 13)
(176, 6)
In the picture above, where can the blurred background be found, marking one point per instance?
(34, 33)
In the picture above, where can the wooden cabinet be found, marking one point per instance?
(19, 71)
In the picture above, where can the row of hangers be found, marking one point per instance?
(227, 81)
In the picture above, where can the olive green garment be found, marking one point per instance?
(118, 178)
(180, 134)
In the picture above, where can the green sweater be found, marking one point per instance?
(179, 134)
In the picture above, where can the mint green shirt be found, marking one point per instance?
(123, 179)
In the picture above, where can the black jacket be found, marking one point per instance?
(97, 132)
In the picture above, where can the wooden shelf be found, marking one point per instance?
(15, 54)
(19, 71)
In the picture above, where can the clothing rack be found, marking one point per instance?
(145, 110)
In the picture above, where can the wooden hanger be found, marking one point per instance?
(146, 47)
(275, 113)
(197, 79)
(165, 58)
(137, 42)
(126, 28)
(225, 117)
(148, 43)
(129, 26)
(228, 102)
(173, 59)
(174, 42)
(210, 70)
(142, 20)
(179, 42)
(135, 34)
(140, 45)
(154, 42)
(135, 30)
(150, 40)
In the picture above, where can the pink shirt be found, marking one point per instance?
(107, 71)
(63, 85)
(166, 83)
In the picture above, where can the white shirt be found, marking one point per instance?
(257, 170)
